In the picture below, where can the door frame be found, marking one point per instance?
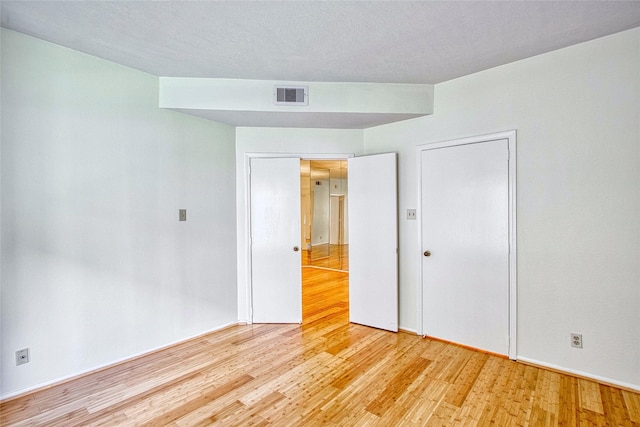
(510, 136)
(247, 223)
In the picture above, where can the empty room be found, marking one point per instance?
(248, 213)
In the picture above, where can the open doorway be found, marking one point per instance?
(274, 240)
(323, 212)
(324, 237)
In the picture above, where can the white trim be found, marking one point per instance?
(247, 222)
(420, 314)
(513, 259)
(510, 136)
(580, 373)
(107, 365)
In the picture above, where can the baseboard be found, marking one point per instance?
(634, 388)
(325, 268)
(62, 380)
(468, 347)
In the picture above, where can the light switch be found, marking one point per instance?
(182, 215)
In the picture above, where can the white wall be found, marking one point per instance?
(577, 114)
(285, 142)
(321, 214)
(339, 186)
(95, 265)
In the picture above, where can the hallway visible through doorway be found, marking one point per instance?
(324, 240)
(324, 208)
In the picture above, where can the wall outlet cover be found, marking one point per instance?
(576, 340)
(22, 356)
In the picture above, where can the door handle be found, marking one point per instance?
(427, 253)
(296, 249)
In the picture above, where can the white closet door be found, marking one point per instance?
(373, 241)
(275, 240)
(465, 237)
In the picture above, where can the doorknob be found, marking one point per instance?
(427, 253)
(296, 249)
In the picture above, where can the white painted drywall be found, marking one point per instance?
(577, 114)
(340, 186)
(335, 105)
(258, 95)
(320, 226)
(95, 265)
(278, 142)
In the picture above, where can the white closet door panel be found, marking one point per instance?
(275, 236)
(465, 227)
(373, 241)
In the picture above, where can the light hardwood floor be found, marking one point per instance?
(335, 257)
(326, 371)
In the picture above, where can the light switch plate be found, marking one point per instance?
(182, 215)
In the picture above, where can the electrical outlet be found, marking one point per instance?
(576, 340)
(22, 356)
(182, 215)
(411, 214)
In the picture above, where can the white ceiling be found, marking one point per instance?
(326, 41)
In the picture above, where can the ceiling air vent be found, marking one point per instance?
(291, 95)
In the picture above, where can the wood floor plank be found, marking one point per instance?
(466, 379)
(568, 406)
(547, 391)
(632, 404)
(427, 399)
(325, 371)
(613, 405)
(397, 386)
(589, 396)
(284, 379)
(206, 396)
(204, 416)
(17, 409)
